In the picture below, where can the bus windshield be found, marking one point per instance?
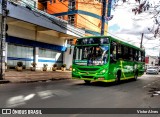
(91, 55)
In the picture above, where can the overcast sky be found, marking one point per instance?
(129, 27)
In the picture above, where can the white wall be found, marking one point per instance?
(152, 59)
(31, 34)
(21, 32)
(67, 58)
(49, 39)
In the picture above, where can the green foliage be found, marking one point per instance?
(19, 64)
(64, 65)
(45, 65)
(54, 65)
(34, 64)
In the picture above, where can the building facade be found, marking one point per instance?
(84, 14)
(35, 36)
(151, 61)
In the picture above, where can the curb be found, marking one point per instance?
(43, 80)
(4, 81)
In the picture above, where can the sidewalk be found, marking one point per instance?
(34, 76)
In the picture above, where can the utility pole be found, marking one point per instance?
(159, 49)
(3, 39)
(103, 16)
(141, 40)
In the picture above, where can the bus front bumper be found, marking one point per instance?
(95, 80)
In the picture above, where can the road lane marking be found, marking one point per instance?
(50, 93)
(15, 101)
(158, 92)
(144, 86)
(18, 100)
(28, 97)
(45, 94)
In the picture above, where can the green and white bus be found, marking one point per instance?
(106, 59)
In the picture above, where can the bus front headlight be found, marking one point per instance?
(103, 71)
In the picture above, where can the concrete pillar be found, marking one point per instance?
(68, 56)
(36, 3)
(6, 48)
(36, 51)
(65, 54)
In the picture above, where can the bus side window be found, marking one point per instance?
(135, 55)
(143, 56)
(113, 52)
(84, 55)
(139, 56)
(125, 54)
(130, 53)
(119, 51)
(133, 52)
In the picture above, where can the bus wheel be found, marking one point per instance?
(87, 81)
(118, 76)
(135, 76)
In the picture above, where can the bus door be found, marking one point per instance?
(127, 62)
(114, 64)
(128, 68)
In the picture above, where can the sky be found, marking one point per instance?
(129, 27)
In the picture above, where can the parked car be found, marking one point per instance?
(152, 70)
(157, 67)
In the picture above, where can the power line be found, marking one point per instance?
(92, 22)
(90, 3)
(41, 14)
(51, 19)
(79, 14)
(81, 25)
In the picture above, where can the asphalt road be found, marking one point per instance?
(76, 94)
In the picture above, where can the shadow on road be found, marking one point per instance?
(106, 84)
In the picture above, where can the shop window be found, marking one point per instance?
(71, 5)
(47, 53)
(19, 53)
(71, 19)
(70, 42)
(62, 0)
(98, 1)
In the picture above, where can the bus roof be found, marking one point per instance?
(116, 40)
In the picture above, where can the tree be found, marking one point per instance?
(152, 7)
